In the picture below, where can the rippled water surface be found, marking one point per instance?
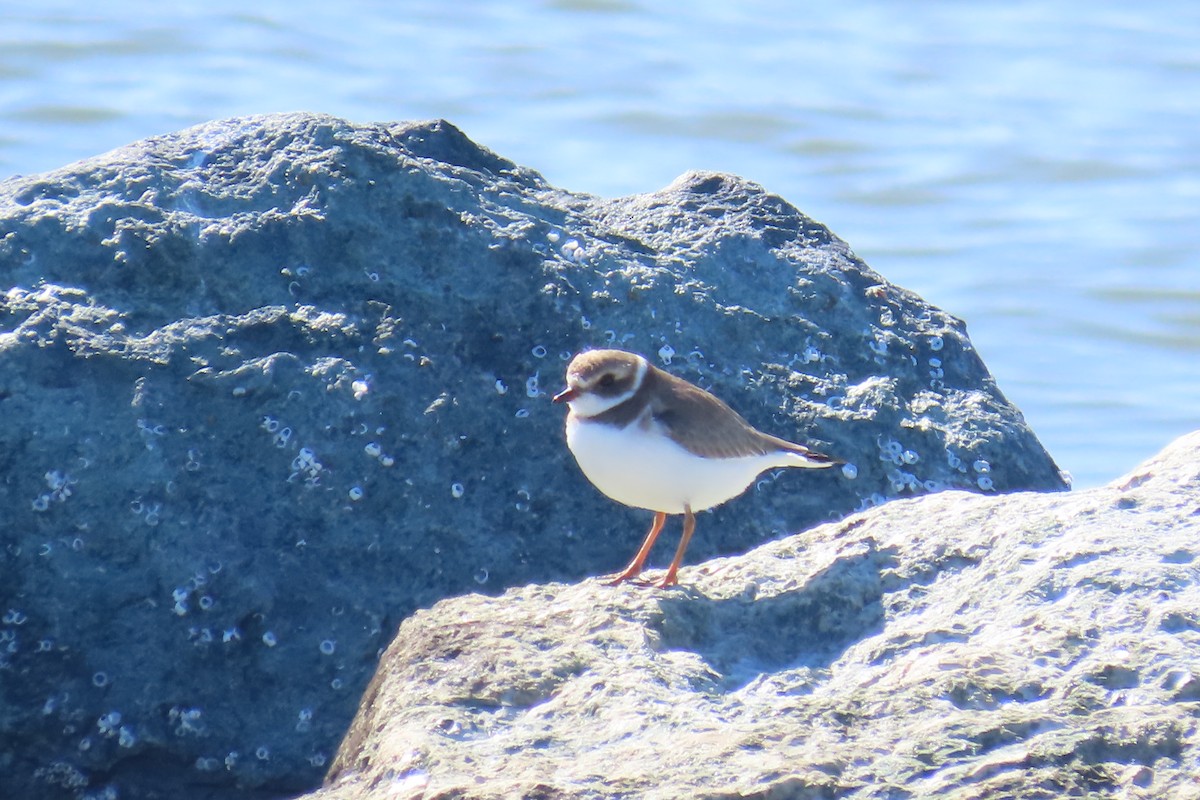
(1033, 168)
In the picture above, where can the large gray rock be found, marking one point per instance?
(947, 646)
(269, 385)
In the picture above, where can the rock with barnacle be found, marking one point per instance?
(1030, 645)
(271, 384)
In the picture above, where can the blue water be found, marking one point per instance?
(1031, 167)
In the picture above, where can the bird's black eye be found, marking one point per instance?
(607, 380)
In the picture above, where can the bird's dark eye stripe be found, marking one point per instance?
(607, 380)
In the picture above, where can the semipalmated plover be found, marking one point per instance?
(651, 440)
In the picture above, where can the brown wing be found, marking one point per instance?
(686, 413)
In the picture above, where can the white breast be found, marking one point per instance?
(644, 469)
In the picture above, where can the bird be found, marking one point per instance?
(654, 441)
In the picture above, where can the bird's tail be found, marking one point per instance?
(810, 459)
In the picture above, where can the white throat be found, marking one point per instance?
(589, 404)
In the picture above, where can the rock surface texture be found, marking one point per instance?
(952, 646)
(269, 385)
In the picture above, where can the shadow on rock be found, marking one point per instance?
(746, 636)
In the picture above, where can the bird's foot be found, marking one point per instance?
(623, 577)
(637, 580)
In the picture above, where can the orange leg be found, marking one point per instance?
(635, 566)
(689, 527)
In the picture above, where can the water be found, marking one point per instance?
(1031, 167)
